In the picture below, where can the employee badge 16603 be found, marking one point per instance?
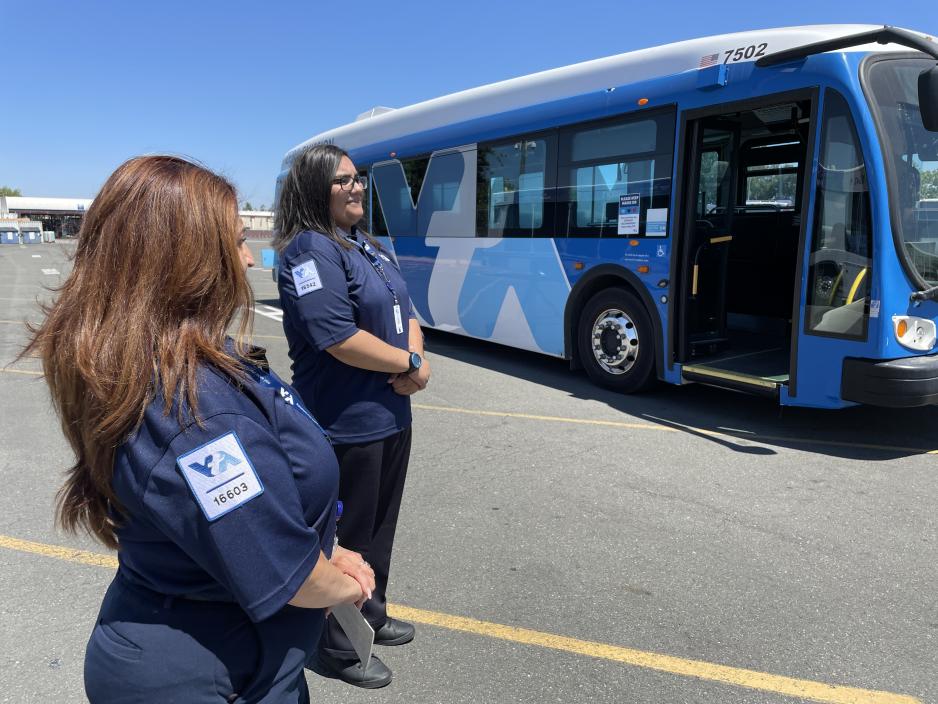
(220, 475)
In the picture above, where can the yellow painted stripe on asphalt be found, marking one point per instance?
(668, 429)
(6, 370)
(751, 679)
(556, 419)
(59, 553)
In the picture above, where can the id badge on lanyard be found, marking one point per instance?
(372, 258)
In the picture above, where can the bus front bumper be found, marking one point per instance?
(894, 383)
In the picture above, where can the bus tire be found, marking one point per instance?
(616, 341)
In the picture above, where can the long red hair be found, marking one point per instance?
(156, 282)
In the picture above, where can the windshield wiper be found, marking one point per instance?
(929, 294)
(886, 35)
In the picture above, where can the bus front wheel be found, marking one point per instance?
(616, 342)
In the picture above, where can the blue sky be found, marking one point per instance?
(236, 84)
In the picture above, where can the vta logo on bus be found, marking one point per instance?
(469, 277)
(206, 468)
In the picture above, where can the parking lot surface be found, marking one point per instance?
(558, 542)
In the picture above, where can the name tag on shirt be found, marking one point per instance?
(220, 475)
(306, 278)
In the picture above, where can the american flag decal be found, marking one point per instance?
(707, 61)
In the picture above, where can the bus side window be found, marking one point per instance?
(841, 264)
(514, 187)
(601, 162)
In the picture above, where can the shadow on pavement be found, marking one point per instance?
(860, 432)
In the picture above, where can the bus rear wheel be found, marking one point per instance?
(616, 342)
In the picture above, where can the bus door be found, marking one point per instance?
(740, 231)
(838, 260)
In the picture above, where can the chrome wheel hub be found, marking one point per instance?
(615, 341)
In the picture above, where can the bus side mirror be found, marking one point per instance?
(928, 98)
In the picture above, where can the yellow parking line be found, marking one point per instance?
(59, 553)
(668, 429)
(5, 370)
(556, 419)
(751, 679)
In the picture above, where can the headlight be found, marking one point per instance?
(914, 333)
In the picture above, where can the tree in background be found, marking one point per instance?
(929, 184)
(248, 206)
(7, 191)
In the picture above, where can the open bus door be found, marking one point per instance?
(838, 261)
(745, 166)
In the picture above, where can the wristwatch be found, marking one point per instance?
(416, 361)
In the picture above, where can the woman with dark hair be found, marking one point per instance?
(357, 353)
(193, 460)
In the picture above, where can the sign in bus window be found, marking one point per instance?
(840, 267)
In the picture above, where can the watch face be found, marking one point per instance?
(415, 360)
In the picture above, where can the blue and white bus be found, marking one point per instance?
(754, 211)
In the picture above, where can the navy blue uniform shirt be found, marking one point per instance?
(328, 293)
(235, 510)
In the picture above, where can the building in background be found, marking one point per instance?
(258, 224)
(61, 217)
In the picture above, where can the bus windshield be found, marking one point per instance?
(913, 155)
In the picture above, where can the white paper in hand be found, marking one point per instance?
(358, 630)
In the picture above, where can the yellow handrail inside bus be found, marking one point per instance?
(856, 285)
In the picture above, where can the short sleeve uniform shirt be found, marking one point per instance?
(328, 293)
(235, 509)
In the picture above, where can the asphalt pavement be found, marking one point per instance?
(558, 542)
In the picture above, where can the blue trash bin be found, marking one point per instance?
(9, 237)
(32, 237)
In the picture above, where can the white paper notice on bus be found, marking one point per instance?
(656, 222)
(628, 213)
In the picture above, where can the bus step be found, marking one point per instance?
(731, 380)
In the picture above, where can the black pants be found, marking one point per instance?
(371, 483)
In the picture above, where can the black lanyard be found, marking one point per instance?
(376, 264)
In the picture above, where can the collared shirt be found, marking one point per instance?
(235, 509)
(328, 293)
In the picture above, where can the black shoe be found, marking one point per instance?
(394, 632)
(376, 675)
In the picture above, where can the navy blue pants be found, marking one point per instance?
(371, 484)
(146, 648)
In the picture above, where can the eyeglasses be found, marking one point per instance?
(346, 182)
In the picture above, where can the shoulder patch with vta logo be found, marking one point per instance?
(306, 278)
(220, 475)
